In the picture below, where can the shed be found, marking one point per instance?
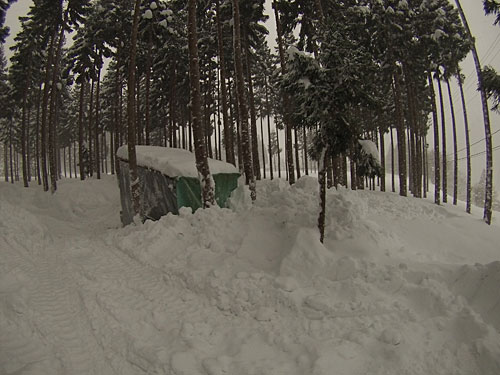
(169, 180)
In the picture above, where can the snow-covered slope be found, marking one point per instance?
(401, 286)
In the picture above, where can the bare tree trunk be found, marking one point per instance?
(286, 103)
(243, 110)
(262, 145)
(297, 152)
(90, 125)
(54, 173)
(96, 132)
(70, 160)
(5, 161)
(148, 84)
(382, 160)
(322, 194)
(467, 143)
(400, 131)
(28, 142)
(24, 125)
(207, 183)
(306, 164)
(132, 157)
(443, 140)
(118, 109)
(45, 107)
(455, 147)
(268, 109)
(11, 156)
(279, 150)
(488, 200)
(437, 174)
(251, 103)
(80, 131)
(37, 140)
(392, 163)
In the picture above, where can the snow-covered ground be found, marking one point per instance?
(402, 286)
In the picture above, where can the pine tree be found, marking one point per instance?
(206, 181)
(243, 108)
(488, 201)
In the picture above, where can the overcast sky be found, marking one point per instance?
(488, 46)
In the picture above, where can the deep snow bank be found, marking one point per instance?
(248, 290)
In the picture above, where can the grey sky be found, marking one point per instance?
(487, 43)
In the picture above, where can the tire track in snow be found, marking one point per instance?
(140, 309)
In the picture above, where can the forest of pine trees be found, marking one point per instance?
(200, 75)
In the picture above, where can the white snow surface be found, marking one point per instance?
(173, 162)
(370, 148)
(401, 286)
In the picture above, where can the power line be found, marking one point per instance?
(475, 143)
(478, 154)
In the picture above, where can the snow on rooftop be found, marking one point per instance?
(173, 162)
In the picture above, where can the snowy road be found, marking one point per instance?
(249, 291)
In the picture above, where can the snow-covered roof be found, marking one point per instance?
(173, 162)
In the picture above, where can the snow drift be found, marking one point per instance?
(401, 286)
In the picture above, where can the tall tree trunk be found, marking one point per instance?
(279, 149)
(286, 101)
(322, 194)
(400, 131)
(268, 110)
(393, 186)
(488, 199)
(251, 104)
(228, 131)
(263, 150)
(28, 143)
(118, 110)
(131, 112)
(53, 108)
(467, 142)
(70, 160)
(437, 174)
(24, 126)
(443, 140)
(148, 84)
(80, 131)
(6, 161)
(90, 126)
(297, 152)
(138, 116)
(243, 110)
(455, 147)
(425, 167)
(37, 140)
(382, 160)
(45, 107)
(11, 156)
(207, 183)
(96, 131)
(304, 141)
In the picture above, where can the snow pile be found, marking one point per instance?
(247, 290)
(173, 162)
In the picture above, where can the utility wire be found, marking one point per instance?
(477, 154)
(475, 143)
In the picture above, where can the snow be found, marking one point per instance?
(173, 162)
(400, 286)
(370, 148)
(305, 82)
(148, 14)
